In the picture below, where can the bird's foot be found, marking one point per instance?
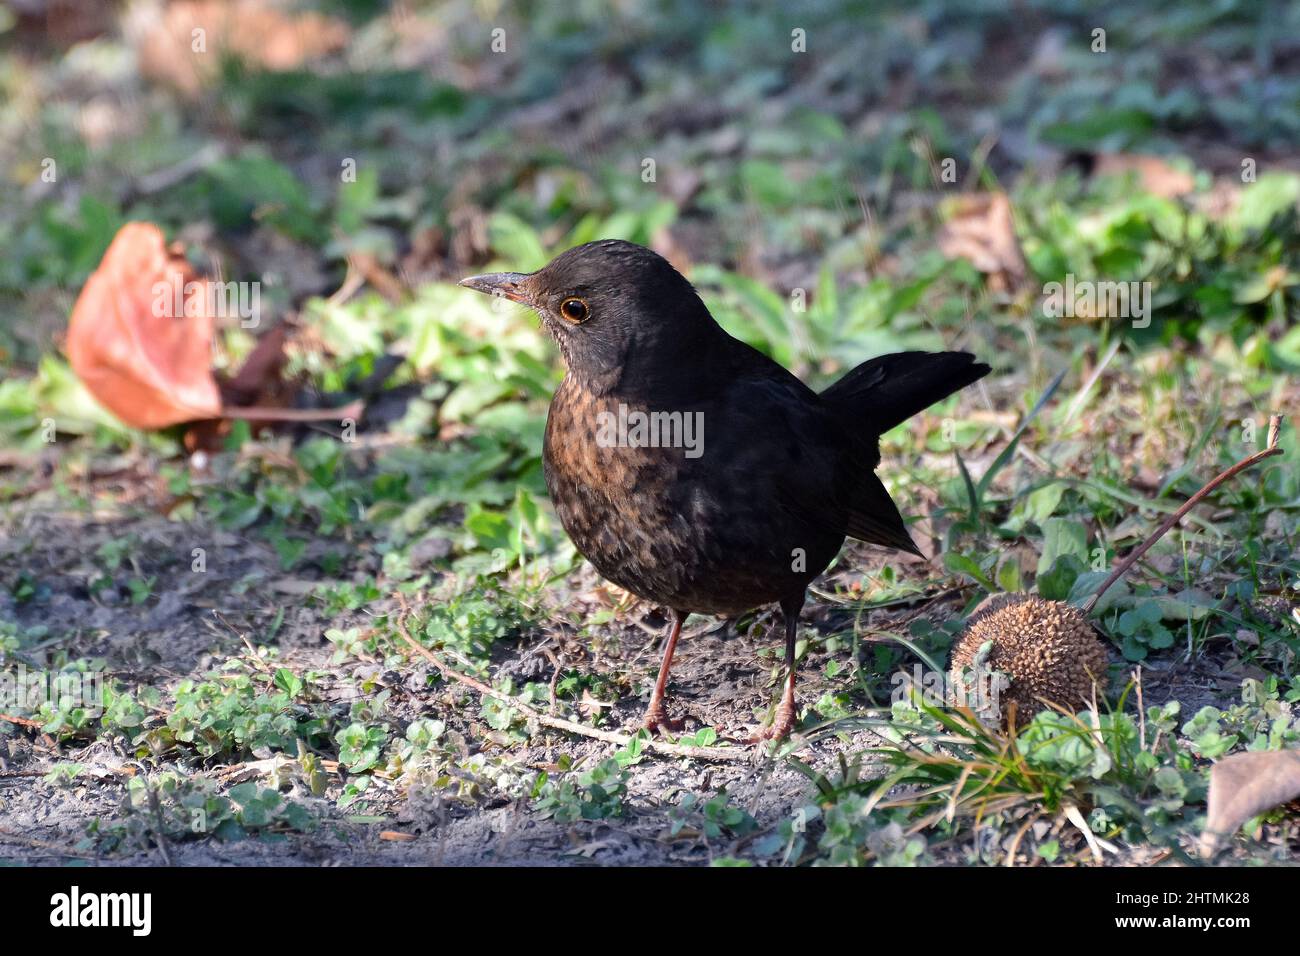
(782, 724)
(656, 719)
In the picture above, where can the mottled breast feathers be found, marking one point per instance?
(747, 517)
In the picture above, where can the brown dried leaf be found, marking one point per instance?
(259, 380)
(1244, 785)
(143, 354)
(589, 706)
(982, 229)
(258, 34)
(1156, 176)
(379, 278)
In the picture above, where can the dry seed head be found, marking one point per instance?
(1047, 649)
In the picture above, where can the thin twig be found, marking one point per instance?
(1142, 711)
(258, 413)
(155, 808)
(22, 721)
(166, 178)
(558, 723)
(36, 844)
(1274, 428)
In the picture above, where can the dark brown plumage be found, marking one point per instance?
(760, 505)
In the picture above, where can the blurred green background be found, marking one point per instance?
(830, 175)
(817, 170)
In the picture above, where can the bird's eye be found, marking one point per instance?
(575, 310)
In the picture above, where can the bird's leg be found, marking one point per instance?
(783, 720)
(656, 716)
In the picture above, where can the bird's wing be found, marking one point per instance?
(820, 474)
(779, 452)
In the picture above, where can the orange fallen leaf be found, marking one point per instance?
(982, 229)
(140, 336)
(140, 339)
(1245, 785)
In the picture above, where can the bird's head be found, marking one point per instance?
(619, 312)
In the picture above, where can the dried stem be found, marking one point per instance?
(558, 723)
(257, 413)
(1274, 429)
(21, 721)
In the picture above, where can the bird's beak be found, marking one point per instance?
(508, 285)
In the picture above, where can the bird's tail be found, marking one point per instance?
(873, 398)
(884, 391)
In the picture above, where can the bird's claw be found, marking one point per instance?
(779, 729)
(657, 720)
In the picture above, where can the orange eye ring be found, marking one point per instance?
(574, 310)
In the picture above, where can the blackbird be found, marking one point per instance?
(691, 469)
